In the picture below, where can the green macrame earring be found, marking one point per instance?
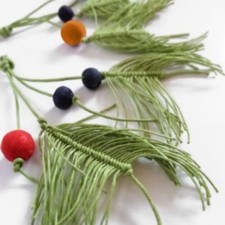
(104, 9)
(124, 31)
(64, 13)
(79, 160)
(138, 91)
(99, 9)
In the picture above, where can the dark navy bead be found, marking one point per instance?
(65, 13)
(91, 78)
(63, 97)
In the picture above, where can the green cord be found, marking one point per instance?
(17, 167)
(77, 102)
(28, 20)
(161, 75)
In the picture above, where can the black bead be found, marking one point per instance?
(65, 13)
(63, 97)
(91, 78)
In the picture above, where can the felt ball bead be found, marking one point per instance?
(72, 32)
(17, 144)
(65, 13)
(63, 97)
(91, 78)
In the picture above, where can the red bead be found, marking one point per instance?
(17, 144)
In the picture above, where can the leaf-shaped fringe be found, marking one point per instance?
(165, 64)
(146, 98)
(135, 83)
(79, 160)
(134, 15)
(140, 41)
(101, 9)
(124, 31)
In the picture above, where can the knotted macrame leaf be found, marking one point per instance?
(79, 160)
(135, 14)
(124, 31)
(168, 63)
(139, 93)
(140, 41)
(101, 9)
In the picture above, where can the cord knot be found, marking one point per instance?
(17, 164)
(5, 31)
(43, 123)
(6, 64)
(75, 99)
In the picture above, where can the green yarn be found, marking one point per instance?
(124, 31)
(145, 100)
(139, 41)
(91, 8)
(167, 63)
(17, 168)
(79, 160)
(139, 77)
(29, 20)
(101, 9)
(135, 14)
(141, 11)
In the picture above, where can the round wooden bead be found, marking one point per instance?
(17, 144)
(65, 13)
(63, 97)
(91, 78)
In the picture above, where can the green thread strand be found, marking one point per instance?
(29, 21)
(17, 167)
(101, 8)
(125, 168)
(138, 41)
(77, 101)
(158, 219)
(50, 80)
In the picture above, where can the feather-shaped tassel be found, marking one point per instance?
(108, 9)
(139, 94)
(79, 160)
(101, 9)
(124, 31)
(139, 78)
(140, 41)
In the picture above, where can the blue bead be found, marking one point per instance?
(63, 97)
(91, 78)
(65, 13)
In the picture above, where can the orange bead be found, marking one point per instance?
(73, 32)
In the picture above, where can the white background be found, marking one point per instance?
(40, 52)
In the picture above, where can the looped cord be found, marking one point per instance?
(43, 123)
(5, 31)
(17, 164)
(6, 64)
(75, 99)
